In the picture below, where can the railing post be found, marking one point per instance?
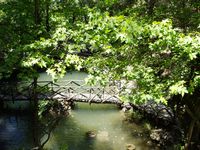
(34, 96)
(52, 86)
(69, 92)
(103, 93)
(30, 91)
(90, 93)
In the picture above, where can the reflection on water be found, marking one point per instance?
(15, 132)
(73, 75)
(71, 132)
(105, 121)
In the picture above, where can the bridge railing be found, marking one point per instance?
(16, 90)
(71, 89)
(62, 89)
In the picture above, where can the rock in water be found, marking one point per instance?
(91, 134)
(130, 147)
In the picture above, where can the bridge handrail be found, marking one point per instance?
(49, 89)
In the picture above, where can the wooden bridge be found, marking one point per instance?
(68, 90)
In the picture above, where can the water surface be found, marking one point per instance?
(106, 121)
(21, 130)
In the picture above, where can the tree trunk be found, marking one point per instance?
(35, 90)
(150, 6)
(35, 130)
(47, 16)
(37, 12)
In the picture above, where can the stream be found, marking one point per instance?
(105, 122)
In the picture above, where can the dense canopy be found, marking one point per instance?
(155, 44)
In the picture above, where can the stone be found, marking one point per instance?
(155, 134)
(149, 143)
(35, 148)
(91, 134)
(130, 147)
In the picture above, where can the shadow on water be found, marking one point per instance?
(69, 135)
(95, 127)
(89, 127)
(20, 127)
(16, 131)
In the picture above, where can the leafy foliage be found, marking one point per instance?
(152, 46)
(159, 58)
(155, 56)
